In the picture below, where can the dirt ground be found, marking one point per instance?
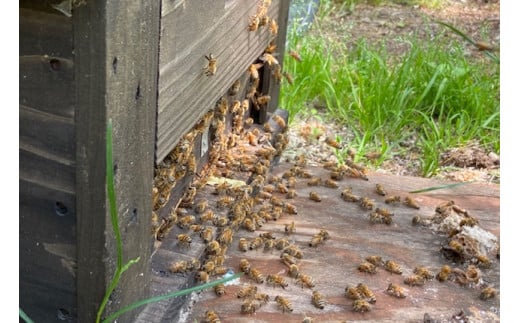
(477, 18)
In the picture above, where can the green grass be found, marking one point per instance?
(433, 91)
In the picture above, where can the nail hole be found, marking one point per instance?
(114, 65)
(115, 168)
(55, 64)
(60, 208)
(138, 92)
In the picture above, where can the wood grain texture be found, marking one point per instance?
(117, 61)
(190, 31)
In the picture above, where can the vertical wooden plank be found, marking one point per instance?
(116, 48)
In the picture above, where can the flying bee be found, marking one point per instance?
(211, 68)
(395, 290)
(487, 293)
(291, 193)
(410, 202)
(283, 303)
(269, 59)
(294, 54)
(318, 300)
(424, 272)
(353, 293)
(314, 196)
(293, 271)
(254, 23)
(366, 292)
(366, 203)
(247, 291)
(331, 141)
(273, 27)
(305, 280)
(279, 121)
(253, 71)
(256, 276)
(248, 307)
(375, 260)
(202, 276)
(393, 267)
(393, 199)
(444, 273)
(235, 87)
(287, 259)
(276, 280)
(380, 189)
(179, 267)
(184, 240)
(367, 267)
(290, 228)
(414, 280)
(212, 316)
(361, 305)
(244, 266)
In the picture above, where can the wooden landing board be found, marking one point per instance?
(333, 265)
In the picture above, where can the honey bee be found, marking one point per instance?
(209, 266)
(268, 127)
(482, 261)
(380, 190)
(184, 240)
(279, 121)
(225, 201)
(253, 71)
(187, 198)
(330, 183)
(185, 221)
(316, 240)
(294, 54)
(212, 316)
(291, 193)
(314, 196)
(347, 196)
(262, 298)
(444, 207)
(248, 123)
(281, 243)
(256, 276)
(290, 228)
(366, 203)
(206, 235)
(207, 216)
(256, 243)
(456, 246)
(243, 244)
(410, 202)
(269, 244)
(201, 206)
(211, 68)
(393, 267)
(353, 293)
(366, 292)
(487, 293)
(367, 267)
(271, 47)
(287, 259)
(424, 272)
(395, 290)
(444, 273)
(283, 303)
(194, 264)
(220, 221)
(384, 212)
(179, 267)
(376, 217)
(202, 276)
(254, 23)
(331, 141)
(273, 27)
(375, 260)
(314, 181)
(196, 227)
(305, 280)
(293, 271)
(245, 266)
(414, 280)
(225, 237)
(269, 59)
(318, 300)
(293, 251)
(213, 248)
(276, 280)
(247, 291)
(235, 87)
(249, 225)
(248, 307)
(361, 305)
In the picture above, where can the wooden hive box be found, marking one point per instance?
(140, 64)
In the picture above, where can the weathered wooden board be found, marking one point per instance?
(191, 30)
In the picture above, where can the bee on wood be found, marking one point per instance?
(347, 196)
(207, 216)
(384, 212)
(243, 244)
(314, 196)
(331, 141)
(366, 203)
(225, 237)
(279, 121)
(247, 291)
(256, 276)
(414, 280)
(253, 71)
(209, 267)
(316, 240)
(235, 87)
(375, 260)
(305, 280)
(290, 228)
(256, 243)
(276, 280)
(318, 300)
(262, 298)
(202, 276)
(376, 217)
(184, 240)
(294, 54)
(380, 190)
(361, 305)
(179, 267)
(293, 271)
(291, 193)
(254, 23)
(290, 208)
(473, 274)
(287, 259)
(456, 246)
(482, 261)
(213, 248)
(249, 225)
(366, 292)
(273, 27)
(211, 68)
(487, 293)
(395, 290)
(444, 207)
(263, 99)
(269, 244)
(353, 293)
(314, 181)
(281, 243)
(211, 316)
(194, 264)
(201, 206)
(248, 307)
(248, 123)
(393, 267)
(185, 221)
(283, 303)
(245, 266)
(444, 273)
(293, 251)
(268, 128)
(410, 202)
(367, 267)
(330, 183)
(424, 272)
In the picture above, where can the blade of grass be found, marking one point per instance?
(25, 317)
(434, 188)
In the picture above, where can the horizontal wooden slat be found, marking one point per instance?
(188, 33)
